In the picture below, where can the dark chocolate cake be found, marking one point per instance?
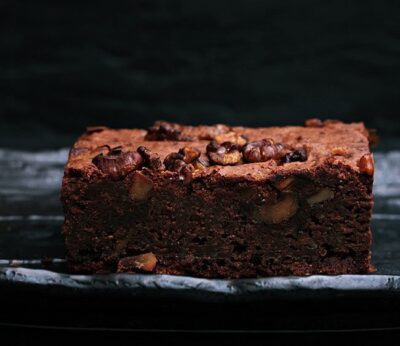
(220, 201)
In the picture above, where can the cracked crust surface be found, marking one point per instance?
(321, 144)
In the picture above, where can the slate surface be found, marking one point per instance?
(30, 220)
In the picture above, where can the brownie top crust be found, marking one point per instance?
(300, 148)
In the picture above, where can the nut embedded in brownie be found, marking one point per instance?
(220, 201)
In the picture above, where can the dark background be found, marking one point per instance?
(67, 64)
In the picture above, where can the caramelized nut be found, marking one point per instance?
(297, 155)
(151, 160)
(165, 131)
(339, 151)
(174, 162)
(117, 163)
(200, 164)
(284, 184)
(281, 211)
(230, 158)
(145, 262)
(232, 137)
(321, 196)
(141, 187)
(180, 163)
(313, 122)
(223, 154)
(262, 150)
(366, 164)
(189, 154)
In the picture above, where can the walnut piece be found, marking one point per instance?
(366, 164)
(284, 184)
(141, 187)
(145, 262)
(180, 163)
(297, 155)
(281, 211)
(117, 163)
(165, 131)
(224, 154)
(313, 122)
(321, 196)
(262, 150)
(174, 162)
(189, 154)
(151, 160)
(200, 164)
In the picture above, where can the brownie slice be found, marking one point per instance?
(220, 201)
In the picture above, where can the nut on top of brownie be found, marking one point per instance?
(231, 151)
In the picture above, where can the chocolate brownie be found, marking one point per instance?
(220, 201)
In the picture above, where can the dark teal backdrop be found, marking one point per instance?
(66, 64)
